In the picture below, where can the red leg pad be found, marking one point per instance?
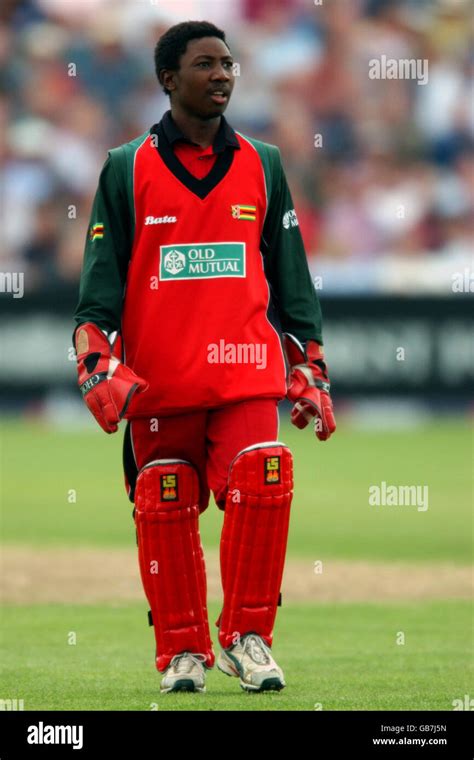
(253, 540)
(171, 558)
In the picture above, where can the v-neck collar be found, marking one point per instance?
(225, 134)
(224, 145)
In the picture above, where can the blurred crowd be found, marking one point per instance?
(381, 170)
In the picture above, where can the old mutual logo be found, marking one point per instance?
(174, 262)
(202, 260)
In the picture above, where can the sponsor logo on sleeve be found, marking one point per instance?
(290, 219)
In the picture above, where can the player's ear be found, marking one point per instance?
(167, 79)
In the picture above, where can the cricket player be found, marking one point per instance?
(192, 233)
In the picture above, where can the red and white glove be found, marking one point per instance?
(106, 384)
(308, 387)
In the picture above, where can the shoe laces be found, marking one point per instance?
(183, 662)
(255, 648)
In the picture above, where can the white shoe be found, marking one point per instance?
(184, 673)
(251, 660)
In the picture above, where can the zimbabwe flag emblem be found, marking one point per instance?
(244, 213)
(96, 232)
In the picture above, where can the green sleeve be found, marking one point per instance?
(107, 252)
(286, 265)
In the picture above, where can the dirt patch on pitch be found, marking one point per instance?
(88, 576)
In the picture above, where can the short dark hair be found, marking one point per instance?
(173, 44)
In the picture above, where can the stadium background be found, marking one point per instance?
(382, 175)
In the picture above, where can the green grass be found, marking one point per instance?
(338, 656)
(331, 516)
(335, 657)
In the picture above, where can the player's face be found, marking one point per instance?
(204, 82)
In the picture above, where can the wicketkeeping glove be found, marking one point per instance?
(308, 386)
(106, 384)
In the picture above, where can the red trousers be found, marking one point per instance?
(209, 439)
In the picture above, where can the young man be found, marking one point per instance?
(192, 227)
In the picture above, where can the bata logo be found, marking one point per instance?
(160, 220)
(203, 260)
(290, 219)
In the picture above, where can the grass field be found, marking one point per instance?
(64, 489)
(331, 515)
(335, 657)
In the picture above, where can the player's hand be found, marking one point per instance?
(308, 387)
(106, 384)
